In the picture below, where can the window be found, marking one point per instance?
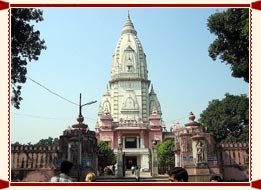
(130, 142)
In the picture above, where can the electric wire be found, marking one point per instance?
(45, 117)
(175, 120)
(37, 116)
(54, 93)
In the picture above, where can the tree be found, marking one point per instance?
(232, 43)
(48, 142)
(26, 46)
(16, 143)
(106, 156)
(165, 153)
(227, 119)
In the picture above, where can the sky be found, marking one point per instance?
(80, 45)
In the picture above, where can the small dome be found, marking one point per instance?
(191, 116)
(81, 126)
(192, 121)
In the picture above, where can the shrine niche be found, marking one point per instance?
(130, 102)
(199, 152)
(192, 150)
(106, 106)
(129, 60)
(184, 145)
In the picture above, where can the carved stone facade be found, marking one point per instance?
(129, 112)
(128, 96)
(197, 151)
(77, 144)
(132, 137)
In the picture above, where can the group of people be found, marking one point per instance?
(179, 174)
(66, 167)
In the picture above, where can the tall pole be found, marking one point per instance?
(80, 121)
(80, 105)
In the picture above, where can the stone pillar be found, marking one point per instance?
(138, 142)
(120, 162)
(142, 140)
(177, 160)
(123, 142)
(119, 140)
(154, 160)
(142, 143)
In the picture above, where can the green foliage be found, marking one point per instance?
(16, 143)
(166, 158)
(227, 119)
(232, 44)
(106, 156)
(48, 142)
(26, 46)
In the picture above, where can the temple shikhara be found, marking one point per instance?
(130, 112)
(130, 122)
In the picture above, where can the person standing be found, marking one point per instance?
(66, 167)
(137, 173)
(132, 169)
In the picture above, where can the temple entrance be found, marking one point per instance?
(130, 161)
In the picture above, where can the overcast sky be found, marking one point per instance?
(80, 45)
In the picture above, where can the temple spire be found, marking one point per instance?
(128, 26)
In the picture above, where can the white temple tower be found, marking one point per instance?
(127, 96)
(129, 112)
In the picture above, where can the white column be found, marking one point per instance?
(142, 143)
(154, 168)
(138, 141)
(119, 140)
(177, 160)
(123, 142)
(142, 139)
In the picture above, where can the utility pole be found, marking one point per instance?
(80, 122)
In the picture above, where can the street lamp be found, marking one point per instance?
(80, 120)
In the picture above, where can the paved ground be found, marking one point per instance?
(129, 177)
